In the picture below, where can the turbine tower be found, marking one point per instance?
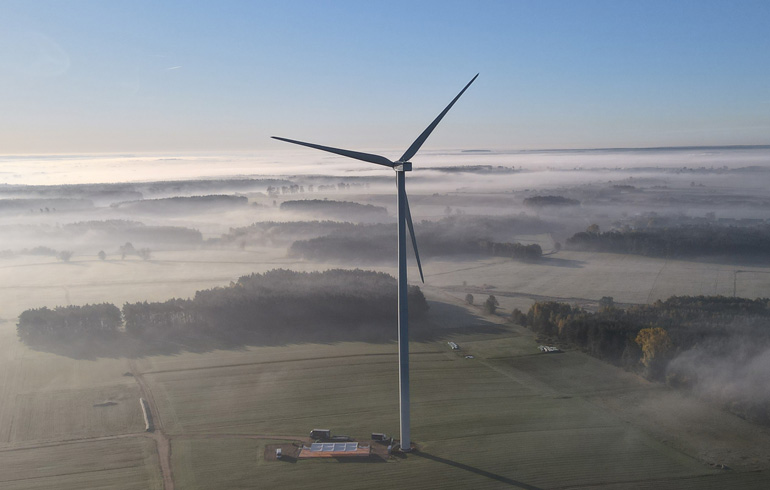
(401, 166)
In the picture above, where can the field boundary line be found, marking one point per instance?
(532, 296)
(66, 442)
(241, 436)
(713, 472)
(69, 474)
(162, 443)
(256, 363)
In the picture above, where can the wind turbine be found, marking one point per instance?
(401, 166)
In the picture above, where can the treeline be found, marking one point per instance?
(543, 201)
(277, 306)
(335, 208)
(32, 205)
(678, 241)
(678, 341)
(184, 204)
(449, 236)
(282, 232)
(43, 325)
(476, 169)
(511, 250)
(125, 191)
(119, 230)
(378, 247)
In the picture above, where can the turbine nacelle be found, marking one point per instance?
(403, 167)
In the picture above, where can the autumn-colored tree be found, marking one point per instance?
(656, 346)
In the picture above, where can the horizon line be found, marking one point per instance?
(128, 154)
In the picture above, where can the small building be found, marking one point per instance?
(453, 346)
(379, 436)
(321, 434)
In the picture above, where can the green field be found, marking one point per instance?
(118, 463)
(508, 418)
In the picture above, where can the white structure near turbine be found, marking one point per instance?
(401, 166)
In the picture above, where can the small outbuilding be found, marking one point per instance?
(322, 434)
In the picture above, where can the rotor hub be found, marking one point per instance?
(403, 167)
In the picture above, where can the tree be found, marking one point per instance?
(656, 346)
(490, 305)
(557, 247)
(469, 298)
(518, 317)
(126, 249)
(102, 255)
(606, 302)
(64, 255)
(593, 229)
(144, 253)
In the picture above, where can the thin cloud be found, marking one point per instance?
(174, 68)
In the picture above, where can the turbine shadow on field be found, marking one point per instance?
(442, 321)
(478, 471)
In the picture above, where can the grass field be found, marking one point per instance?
(627, 278)
(508, 418)
(477, 426)
(120, 463)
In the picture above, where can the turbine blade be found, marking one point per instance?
(414, 239)
(366, 157)
(421, 139)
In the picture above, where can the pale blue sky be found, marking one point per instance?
(134, 76)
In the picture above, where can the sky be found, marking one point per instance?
(82, 76)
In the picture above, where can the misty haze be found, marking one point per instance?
(581, 250)
(574, 294)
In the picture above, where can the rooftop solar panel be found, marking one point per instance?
(334, 446)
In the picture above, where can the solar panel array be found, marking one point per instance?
(334, 446)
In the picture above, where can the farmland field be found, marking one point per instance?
(509, 417)
(526, 421)
(117, 463)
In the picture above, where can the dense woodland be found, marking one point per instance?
(543, 201)
(335, 208)
(678, 241)
(45, 326)
(274, 307)
(448, 236)
(282, 232)
(678, 341)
